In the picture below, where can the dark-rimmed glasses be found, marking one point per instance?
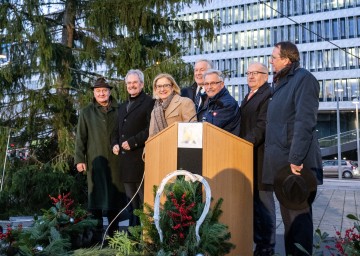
(254, 73)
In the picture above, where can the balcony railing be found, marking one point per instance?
(345, 137)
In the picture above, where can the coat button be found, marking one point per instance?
(125, 120)
(123, 152)
(122, 135)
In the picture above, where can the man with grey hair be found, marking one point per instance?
(129, 138)
(196, 91)
(221, 110)
(252, 128)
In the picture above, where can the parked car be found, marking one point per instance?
(348, 170)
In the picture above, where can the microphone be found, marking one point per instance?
(197, 112)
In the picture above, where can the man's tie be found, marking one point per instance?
(251, 93)
(197, 98)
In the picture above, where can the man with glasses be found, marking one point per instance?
(129, 139)
(93, 156)
(252, 128)
(222, 110)
(291, 142)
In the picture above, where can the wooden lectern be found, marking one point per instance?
(227, 165)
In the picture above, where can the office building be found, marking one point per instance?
(326, 32)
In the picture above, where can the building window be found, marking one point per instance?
(242, 40)
(342, 28)
(236, 15)
(312, 31)
(262, 37)
(327, 29)
(352, 58)
(342, 56)
(249, 39)
(275, 38)
(268, 37)
(242, 15)
(319, 30)
(282, 7)
(268, 12)
(230, 42)
(336, 58)
(261, 11)
(296, 30)
(290, 10)
(351, 27)
(354, 85)
(320, 60)
(312, 61)
(255, 12)
(305, 6)
(304, 34)
(274, 12)
(327, 59)
(236, 41)
(335, 29)
(255, 39)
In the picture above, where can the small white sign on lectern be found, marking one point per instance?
(190, 135)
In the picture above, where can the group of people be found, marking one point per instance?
(279, 119)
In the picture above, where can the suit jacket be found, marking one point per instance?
(291, 125)
(252, 129)
(133, 127)
(190, 92)
(180, 109)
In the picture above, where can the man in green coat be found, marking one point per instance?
(93, 155)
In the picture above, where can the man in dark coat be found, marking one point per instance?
(252, 128)
(291, 141)
(222, 110)
(196, 92)
(129, 139)
(93, 155)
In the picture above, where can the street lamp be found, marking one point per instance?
(356, 102)
(338, 90)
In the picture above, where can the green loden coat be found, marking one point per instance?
(105, 188)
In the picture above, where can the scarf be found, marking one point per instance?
(285, 71)
(159, 113)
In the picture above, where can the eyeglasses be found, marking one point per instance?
(162, 86)
(98, 91)
(255, 73)
(274, 58)
(212, 83)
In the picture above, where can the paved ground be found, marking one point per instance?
(335, 199)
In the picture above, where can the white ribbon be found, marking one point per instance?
(193, 178)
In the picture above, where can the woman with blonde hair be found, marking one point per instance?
(169, 106)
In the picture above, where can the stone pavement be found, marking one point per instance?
(334, 200)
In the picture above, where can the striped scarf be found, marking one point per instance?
(159, 113)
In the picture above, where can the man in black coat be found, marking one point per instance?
(196, 92)
(291, 141)
(129, 139)
(252, 128)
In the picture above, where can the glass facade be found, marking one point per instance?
(329, 43)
